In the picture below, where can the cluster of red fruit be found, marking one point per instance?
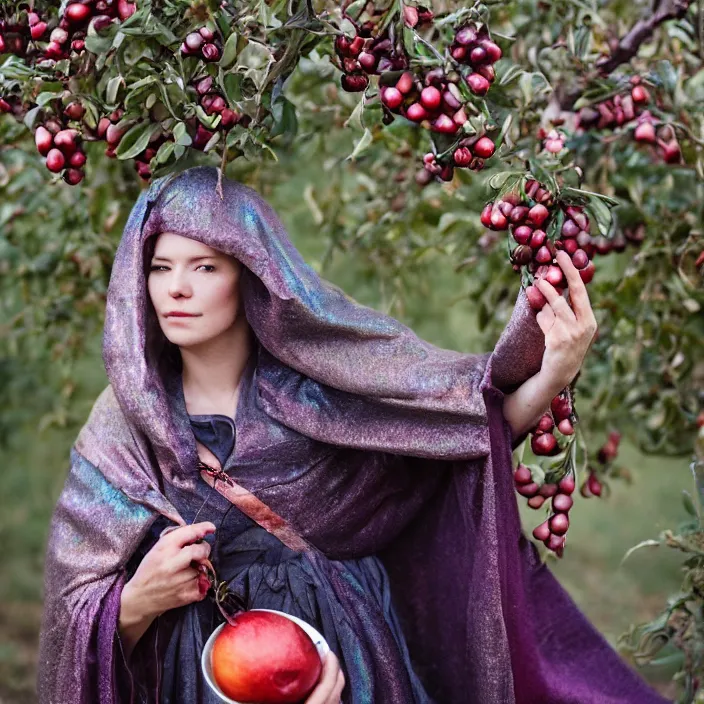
(607, 453)
(62, 145)
(623, 108)
(415, 16)
(470, 153)
(544, 441)
(664, 138)
(69, 35)
(473, 47)
(553, 141)
(435, 102)
(202, 44)
(528, 222)
(551, 532)
(213, 103)
(110, 130)
(364, 55)
(615, 111)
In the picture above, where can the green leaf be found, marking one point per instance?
(208, 121)
(229, 52)
(357, 117)
(513, 72)
(232, 86)
(505, 127)
(590, 194)
(285, 118)
(668, 75)
(112, 88)
(364, 141)
(165, 152)
(181, 135)
(212, 141)
(602, 215)
(44, 97)
(135, 140)
(30, 117)
(688, 504)
(642, 544)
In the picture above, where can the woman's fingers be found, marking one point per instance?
(577, 290)
(192, 553)
(339, 686)
(331, 684)
(558, 304)
(186, 535)
(545, 319)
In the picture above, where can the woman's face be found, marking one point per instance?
(187, 276)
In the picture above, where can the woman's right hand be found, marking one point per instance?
(165, 578)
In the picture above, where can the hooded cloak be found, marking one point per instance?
(371, 443)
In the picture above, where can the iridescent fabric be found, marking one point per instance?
(388, 454)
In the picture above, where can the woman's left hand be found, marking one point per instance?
(569, 331)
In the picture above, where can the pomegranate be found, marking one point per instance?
(548, 490)
(645, 132)
(405, 83)
(565, 427)
(430, 97)
(77, 13)
(493, 51)
(522, 234)
(44, 140)
(265, 657)
(536, 501)
(566, 485)
(392, 98)
(559, 523)
(522, 475)
(535, 298)
(484, 148)
(561, 407)
(538, 214)
(542, 532)
(478, 84)
(544, 444)
(55, 160)
(562, 503)
(546, 423)
(528, 489)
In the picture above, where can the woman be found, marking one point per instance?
(338, 467)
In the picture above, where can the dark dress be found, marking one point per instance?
(265, 573)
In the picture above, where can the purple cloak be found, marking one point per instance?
(413, 466)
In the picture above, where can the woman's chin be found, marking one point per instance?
(183, 340)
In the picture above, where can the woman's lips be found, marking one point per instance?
(181, 315)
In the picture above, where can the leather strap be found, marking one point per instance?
(251, 506)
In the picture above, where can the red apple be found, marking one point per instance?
(265, 657)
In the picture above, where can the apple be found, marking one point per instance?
(266, 658)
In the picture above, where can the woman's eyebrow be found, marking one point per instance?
(192, 259)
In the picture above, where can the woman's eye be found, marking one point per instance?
(157, 268)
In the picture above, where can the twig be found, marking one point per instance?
(628, 45)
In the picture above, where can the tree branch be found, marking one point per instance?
(628, 45)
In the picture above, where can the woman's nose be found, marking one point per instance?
(179, 286)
